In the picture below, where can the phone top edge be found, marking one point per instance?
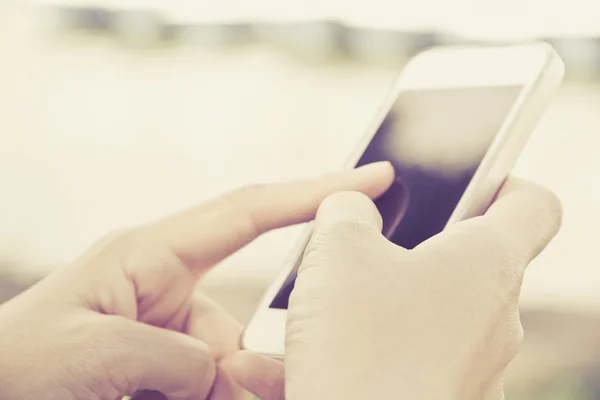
(548, 77)
(475, 66)
(511, 140)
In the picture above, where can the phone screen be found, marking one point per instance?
(435, 139)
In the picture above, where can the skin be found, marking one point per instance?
(437, 322)
(440, 321)
(125, 317)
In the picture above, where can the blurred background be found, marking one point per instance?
(113, 113)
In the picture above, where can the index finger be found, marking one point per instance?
(524, 218)
(206, 234)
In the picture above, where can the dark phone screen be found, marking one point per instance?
(436, 140)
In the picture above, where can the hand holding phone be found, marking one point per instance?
(453, 127)
(125, 317)
(371, 320)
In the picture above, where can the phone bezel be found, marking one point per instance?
(536, 67)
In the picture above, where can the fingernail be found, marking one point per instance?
(376, 165)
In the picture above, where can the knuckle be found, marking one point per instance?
(519, 335)
(344, 232)
(493, 257)
(115, 248)
(135, 248)
(485, 242)
(515, 342)
(110, 241)
(127, 253)
(549, 199)
(548, 218)
(514, 333)
(202, 354)
(126, 240)
(205, 363)
(240, 200)
(196, 356)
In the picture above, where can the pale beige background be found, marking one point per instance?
(95, 136)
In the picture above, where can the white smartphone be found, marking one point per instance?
(453, 127)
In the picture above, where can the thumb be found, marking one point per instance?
(344, 219)
(258, 374)
(148, 358)
(323, 304)
(348, 208)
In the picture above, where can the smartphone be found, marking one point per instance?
(453, 127)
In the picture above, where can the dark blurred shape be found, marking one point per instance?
(139, 27)
(149, 395)
(89, 19)
(94, 19)
(282, 299)
(423, 41)
(375, 45)
(436, 142)
(215, 34)
(312, 40)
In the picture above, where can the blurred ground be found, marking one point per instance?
(96, 136)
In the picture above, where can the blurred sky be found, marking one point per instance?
(489, 18)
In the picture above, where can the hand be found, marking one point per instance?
(125, 317)
(370, 320)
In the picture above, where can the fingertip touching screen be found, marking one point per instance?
(436, 140)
